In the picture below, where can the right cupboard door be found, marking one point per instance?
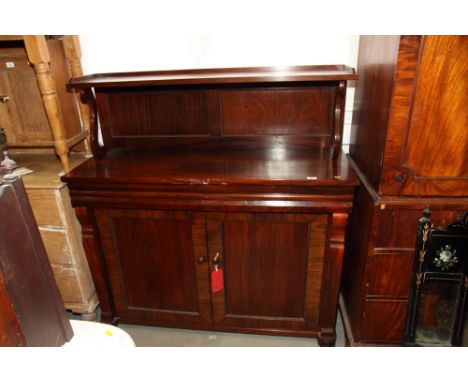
(272, 266)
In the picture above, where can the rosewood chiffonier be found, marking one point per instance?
(218, 198)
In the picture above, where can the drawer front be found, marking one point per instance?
(58, 246)
(384, 321)
(398, 226)
(389, 273)
(73, 284)
(47, 207)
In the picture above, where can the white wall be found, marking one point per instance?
(116, 53)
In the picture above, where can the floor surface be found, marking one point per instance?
(148, 336)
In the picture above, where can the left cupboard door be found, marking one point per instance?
(157, 264)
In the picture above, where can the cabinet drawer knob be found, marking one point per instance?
(4, 98)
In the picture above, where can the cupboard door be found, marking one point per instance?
(425, 153)
(157, 264)
(272, 266)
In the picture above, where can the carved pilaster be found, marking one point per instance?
(98, 150)
(339, 118)
(96, 263)
(331, 279)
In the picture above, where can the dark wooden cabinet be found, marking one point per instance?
(409, 149)
(219, 199)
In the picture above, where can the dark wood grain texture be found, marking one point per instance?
(376, 67)
(332, 278)
(10, 327)
(303, 111)
(217, 76)
(382, 268)
(276, 166)
(273, 269)
(280, 115)
(427, 123)
(32, 309)
(378, 262)
(153, 113)
(407, 144)
(409, 118)
(152, 258)
(94, 255)
(238, 165)
(384, 321)
(438, 125)
(359, 244)
(300, 105)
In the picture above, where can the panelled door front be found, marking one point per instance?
(22, 113)
(426, 154)
(157, 264)
(272, 269)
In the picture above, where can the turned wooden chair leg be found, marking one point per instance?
(38, 54)
(65, 161)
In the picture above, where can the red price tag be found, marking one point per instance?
(217, 282)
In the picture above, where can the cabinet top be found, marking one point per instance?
(248, 75)
(275, 166)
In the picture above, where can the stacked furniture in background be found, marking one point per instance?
(409, 146)
(41, 119)
(36, 110)
(31, 308)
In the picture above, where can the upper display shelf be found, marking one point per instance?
(250, 75)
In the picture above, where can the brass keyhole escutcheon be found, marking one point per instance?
(4, 98)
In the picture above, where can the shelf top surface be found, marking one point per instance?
(46, 169)
(248, 75)
(274, 166)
